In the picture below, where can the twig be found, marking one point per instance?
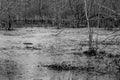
(106, 34)
(110, 36)
(108, 9)
(114, 36)
(3, 12)
(58, 33)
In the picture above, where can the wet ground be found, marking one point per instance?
(24, 51)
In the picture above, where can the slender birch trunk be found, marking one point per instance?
(88, 25)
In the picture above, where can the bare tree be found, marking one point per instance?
(88, 25)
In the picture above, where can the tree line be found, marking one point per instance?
(60, 13)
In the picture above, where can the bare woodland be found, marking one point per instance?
(59, 39)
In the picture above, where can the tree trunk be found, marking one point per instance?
(9, 24)
(89, 28)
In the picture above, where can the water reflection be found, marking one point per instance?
(75, 75)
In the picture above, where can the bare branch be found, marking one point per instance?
(108, 8)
